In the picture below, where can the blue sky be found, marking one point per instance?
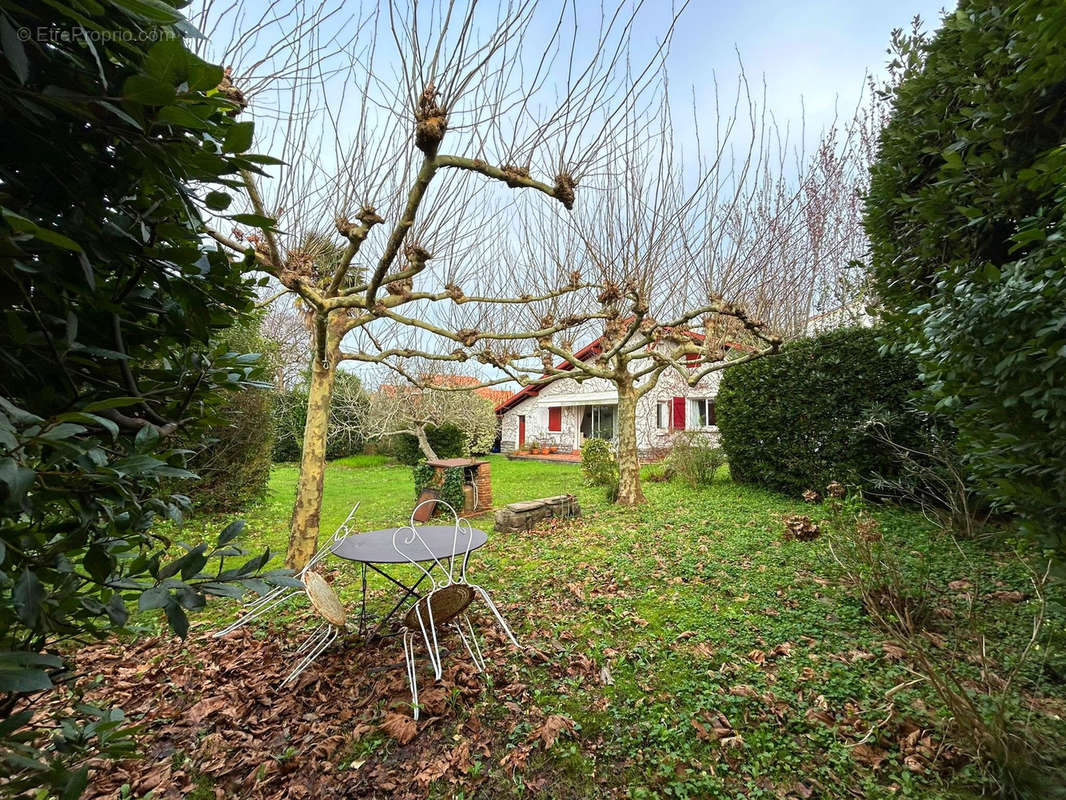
(818, 50)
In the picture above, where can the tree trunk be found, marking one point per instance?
(423, 443)
(629, 491)
(307, 511)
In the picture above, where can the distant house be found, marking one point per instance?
(567, 411)
(497, 396)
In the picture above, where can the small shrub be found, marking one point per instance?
(598, 463)
(447, 441)
(988, 718)
(694, 459)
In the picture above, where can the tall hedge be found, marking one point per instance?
(234, 462)
(965, 218)
(795, 420)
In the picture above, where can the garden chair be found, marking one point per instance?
(446, 602)
(280, 594)
(328, 606)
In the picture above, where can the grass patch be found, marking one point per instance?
(698, 653)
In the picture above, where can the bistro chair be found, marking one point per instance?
(446, 603)
(328, 607)
(280, 594)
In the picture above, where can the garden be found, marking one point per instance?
(758, 443)
(686, 648)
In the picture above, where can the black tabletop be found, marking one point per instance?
(376, 547)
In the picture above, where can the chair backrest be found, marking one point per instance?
(462, 539)
(346, 529)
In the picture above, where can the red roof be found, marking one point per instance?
(495, 395)
(593, 348)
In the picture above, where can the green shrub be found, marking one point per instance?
(598, 464)
(113, 146)
(346, 420)
(965, 217)
(234, 465)
(447, 441)
(694, 459)
(795, 420)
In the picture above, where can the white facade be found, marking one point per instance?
(587, 408)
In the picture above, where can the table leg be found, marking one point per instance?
(408, 592)
(362, 606)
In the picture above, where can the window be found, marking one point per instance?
(555, 418)
(703, 415)
(662, 414)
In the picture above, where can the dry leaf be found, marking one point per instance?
(399, 727)
(551, 729)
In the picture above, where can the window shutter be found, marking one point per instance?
(712, 414)
(555, 418)
(692, 360)
(679, 414)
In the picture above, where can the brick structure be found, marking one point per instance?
(476, 472)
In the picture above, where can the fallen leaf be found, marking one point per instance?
(551, 729)
(399, 727)
(872, 757)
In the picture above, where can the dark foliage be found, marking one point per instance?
(797, 420)
(447, 441)
(347, 411)
(234, 463)
(965, 216)
(111, 304)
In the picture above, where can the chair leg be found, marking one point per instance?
(409, 661)
(475, 651)
(497, 614)
(432, 646)
(258, 608)
(321, 642)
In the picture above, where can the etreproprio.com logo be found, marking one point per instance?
(54, 34)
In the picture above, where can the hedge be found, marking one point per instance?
(965, 215)
(794, 421)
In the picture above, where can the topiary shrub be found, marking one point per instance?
(447, 441)
(598, 464)
(795, 420)
(965, 217)
(694, 459)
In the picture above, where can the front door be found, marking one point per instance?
(521, 429)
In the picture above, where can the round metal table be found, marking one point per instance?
(435, 543)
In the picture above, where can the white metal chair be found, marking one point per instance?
(280, 594)
(328, 606)
(445, 603)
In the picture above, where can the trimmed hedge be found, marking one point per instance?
(794, 421)
(447, 441)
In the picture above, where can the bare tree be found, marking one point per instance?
(405, 408)
(677, 270)
(388, 127)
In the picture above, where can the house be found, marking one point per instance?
(497, 396)
(568, 411)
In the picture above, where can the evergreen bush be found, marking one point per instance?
(796, 420)
(965, 217)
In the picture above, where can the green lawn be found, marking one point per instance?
(696, 653)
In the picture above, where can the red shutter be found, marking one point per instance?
(679, 414)
(692, 360)
(712, 413)
(555, 418)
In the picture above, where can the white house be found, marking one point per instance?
(566, 412)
